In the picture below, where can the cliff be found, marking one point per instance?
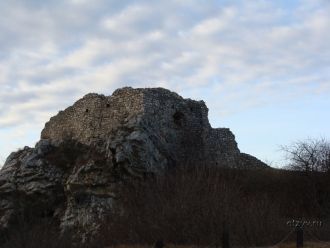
(74, 173)
(158, 126)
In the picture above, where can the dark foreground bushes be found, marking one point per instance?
(193, 205)
(38, 233)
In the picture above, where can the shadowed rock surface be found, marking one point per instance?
(87, 151)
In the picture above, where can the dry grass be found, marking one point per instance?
(291, 245)
(306, 245)
(148, 246)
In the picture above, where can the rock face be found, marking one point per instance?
(145, 128)
(75, 171)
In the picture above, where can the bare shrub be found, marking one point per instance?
(40, 233)
(192, 205)
(308, 155)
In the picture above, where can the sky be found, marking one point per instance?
(261, 66)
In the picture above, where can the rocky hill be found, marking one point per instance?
(75, 172)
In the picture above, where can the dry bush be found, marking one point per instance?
(192, 205)
(40, 233)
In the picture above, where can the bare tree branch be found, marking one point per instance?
(308, 155)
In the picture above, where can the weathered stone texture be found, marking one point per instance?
(158, 126)
(94, 117)
(75, 171)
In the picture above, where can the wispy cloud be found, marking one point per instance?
(245, 52)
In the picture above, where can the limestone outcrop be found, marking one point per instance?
(74, 173)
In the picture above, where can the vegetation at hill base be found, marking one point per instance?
(191, 206)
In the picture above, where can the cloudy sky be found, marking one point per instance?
(262, 67)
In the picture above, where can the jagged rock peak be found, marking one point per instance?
(109, 112)
(158, 119)
(75, 171)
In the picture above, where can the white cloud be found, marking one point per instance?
(213, 25)
(248, 52)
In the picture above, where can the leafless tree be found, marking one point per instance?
(309, 155)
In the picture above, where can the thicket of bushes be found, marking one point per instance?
(192, 205)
